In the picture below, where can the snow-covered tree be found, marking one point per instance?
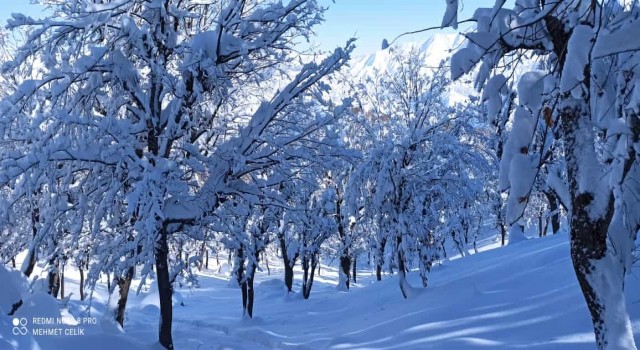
(126, 119)
(423, 164)
(317, 223)
(586, 91)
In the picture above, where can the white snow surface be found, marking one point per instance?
(578, 52)
(524, 295)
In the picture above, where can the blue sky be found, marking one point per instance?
(373, 20)
(20, 6)
(369, 20)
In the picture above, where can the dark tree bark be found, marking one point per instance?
(250, 296)
(309, 264)
(206, 258)
(541, 228)
(53, 278)
(203, 253)
(353, 272)
(82, 296)
(179, 244)
(287, 263)
(54, 284)
(601, 288)
(402, 276)
(380, 258)
(500, 125)
(248, 293)
(288, 276)
(165, 289)
(241, 278)
(588, 234)
(345, 258)
(124, 284)
(62, 282)
(345, 267)
(458, 243)
(245, 297)
(554, 208)
(249, 287)
(31, 261)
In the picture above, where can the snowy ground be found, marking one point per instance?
(521, 296)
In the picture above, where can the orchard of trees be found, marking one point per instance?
(139, 138)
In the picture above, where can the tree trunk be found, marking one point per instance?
(245, 296)
(241, 278)
(288, 276)
(402, 277)
(353, 271)
(308, 269)
(250, 291)
(81, 269)
(344, 273)
(546, 226)
(54, 284)
(599, 273)
(305, 277)
(288, 265)
(380, 258)
(206, 258)
(247, 285)
(27, 268)
(500, 221)
(53, 278)
(124, 284)
(165, 290)
(62, 282)
(250, 297)
(540, 226)
(203, 252)
(180, 258)
(459, 245)
(554, 208)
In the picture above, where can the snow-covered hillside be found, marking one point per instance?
(521, 296)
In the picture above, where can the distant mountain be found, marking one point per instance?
(433, 51)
